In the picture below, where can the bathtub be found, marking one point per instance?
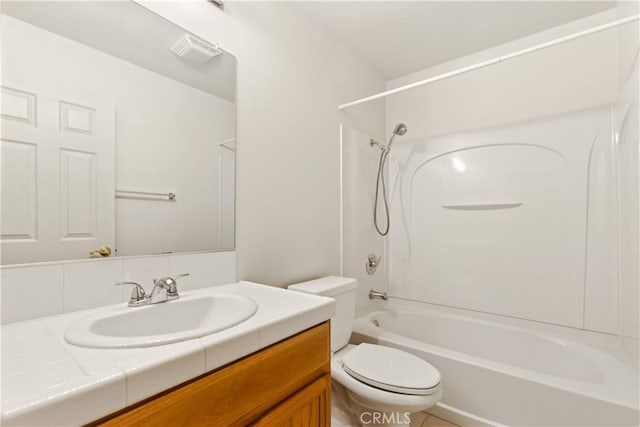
(516, 373)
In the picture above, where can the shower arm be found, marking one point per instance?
(374, 143)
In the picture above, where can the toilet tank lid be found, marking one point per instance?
(326, 286)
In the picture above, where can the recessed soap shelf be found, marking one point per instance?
(482, 206)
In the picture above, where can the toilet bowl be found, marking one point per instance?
(383, 385)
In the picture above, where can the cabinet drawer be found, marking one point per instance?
(240, 392)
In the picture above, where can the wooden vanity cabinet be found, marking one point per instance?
(311, 406)
(286, 384)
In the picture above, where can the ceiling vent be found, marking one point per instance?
(195, 50)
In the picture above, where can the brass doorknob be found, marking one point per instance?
(104, 251)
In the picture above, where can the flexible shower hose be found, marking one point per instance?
(383, 159)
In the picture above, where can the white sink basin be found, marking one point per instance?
(157, 324)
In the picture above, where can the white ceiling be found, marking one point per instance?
(401, 37)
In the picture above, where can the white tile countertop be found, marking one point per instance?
(47, 381)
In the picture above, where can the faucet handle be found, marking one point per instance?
(170, 284)
(167, 279)
(137, 293)
(372, 263)
(173, 285)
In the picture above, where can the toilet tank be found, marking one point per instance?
(343, 290)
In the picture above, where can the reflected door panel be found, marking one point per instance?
(57, 173)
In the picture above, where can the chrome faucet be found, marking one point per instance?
(378, 295)
(164, 289)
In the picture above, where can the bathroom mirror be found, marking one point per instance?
(118, 132)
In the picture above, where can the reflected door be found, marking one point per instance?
(57, 174)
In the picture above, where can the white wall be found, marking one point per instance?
(573, 76)
(628, 168)
(523, 95)
(292, 75)
(166, 136)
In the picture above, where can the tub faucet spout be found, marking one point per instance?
(378, 295)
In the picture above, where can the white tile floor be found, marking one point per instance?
(433, 421)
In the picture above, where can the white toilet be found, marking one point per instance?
(383, 384)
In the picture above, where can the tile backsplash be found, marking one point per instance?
(31, 291)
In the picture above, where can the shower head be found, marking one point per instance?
(401, 129)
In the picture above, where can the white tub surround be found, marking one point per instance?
(46, 381)
(497, 220)
(511, 372)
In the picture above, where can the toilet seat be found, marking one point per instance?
(391, 369)
(383, 400)
(373, 397)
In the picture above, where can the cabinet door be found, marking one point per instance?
(310, 407)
